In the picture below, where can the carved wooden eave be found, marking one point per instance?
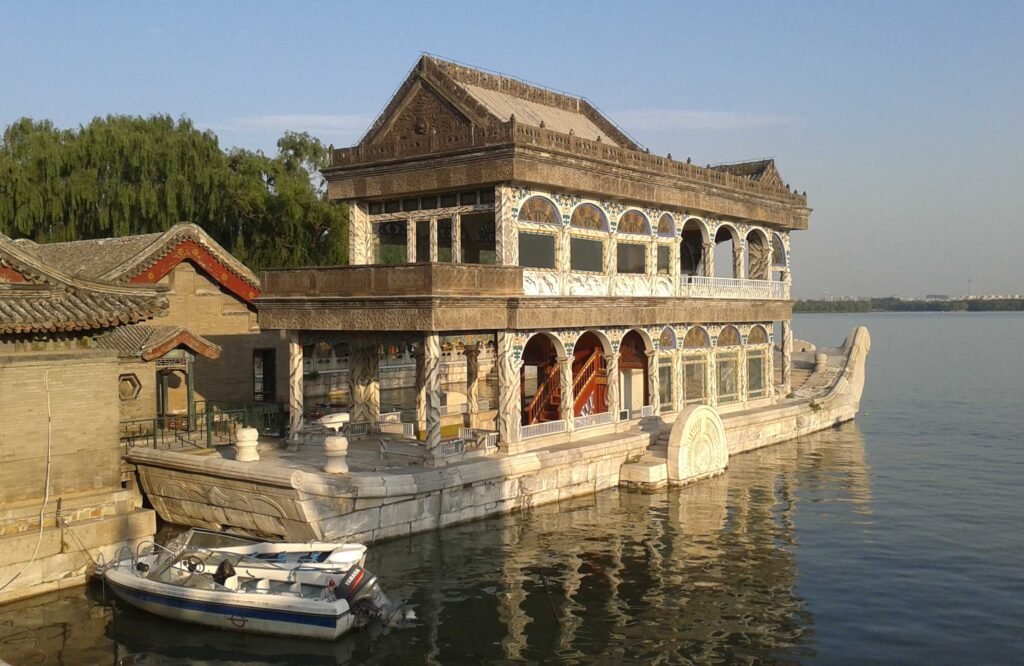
(153, 342)
(46, 300)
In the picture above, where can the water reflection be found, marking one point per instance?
(699, 574)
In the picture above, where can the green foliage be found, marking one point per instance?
(124, 175)
(893, 304)
(832, 306)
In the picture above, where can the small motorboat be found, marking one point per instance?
(242, 593)
(255, 554)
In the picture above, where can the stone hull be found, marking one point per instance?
(280, 502)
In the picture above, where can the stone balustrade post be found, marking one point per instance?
(247, 442)
(336, 450)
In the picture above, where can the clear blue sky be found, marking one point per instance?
(902, 120)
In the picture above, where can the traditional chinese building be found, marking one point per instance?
(61, 489)
(207, 346)
(612, 284)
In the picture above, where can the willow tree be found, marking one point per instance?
(123, 175)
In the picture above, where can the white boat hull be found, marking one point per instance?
(251, 613)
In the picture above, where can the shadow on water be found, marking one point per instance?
(699, 574)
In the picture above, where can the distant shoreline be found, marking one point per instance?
(897, 305)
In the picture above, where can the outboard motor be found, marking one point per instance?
(223, 572)
(366, 599)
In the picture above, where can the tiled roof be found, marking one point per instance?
(754, 170)
(120, 259)
(44, 299)
(504, 106)
(148, 342)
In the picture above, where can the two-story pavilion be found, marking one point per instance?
(487, 210)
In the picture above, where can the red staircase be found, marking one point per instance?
(590, 382)
(546, 402)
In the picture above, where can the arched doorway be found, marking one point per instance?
(539, 381)
(728, 260)
(691, 250)
(759, 256)
(633, 373)
(589, 376)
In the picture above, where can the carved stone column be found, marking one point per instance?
(738, 250)
(410, 241)
(612, 368)
(741, 374)
(787, 358)
(708, 259)
(457, 238)
(472, 353)
(711, 378)
(567, 396)
(770, 371)
(364, 382)
(421, 388)
(677, 380)
(510, 400)
(433, 240)
(563, 263)
(432, 376)
(295, 397)
(506, 239)
(653, 381)
(610, 262)
(360, 245)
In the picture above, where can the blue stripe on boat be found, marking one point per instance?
(228, 610)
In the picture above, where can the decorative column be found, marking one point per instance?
(510, 400)
(677, 380)
(653, 382)
(770, 371)
(360, 245)
(563, 262)
(410, 241)
(568, 398)
(506, 238)
(741, 374)
(472, 353)
(456, 238)
(421, 388)
(364, 381)
(612, 369)
(738, 250)
(787, 357)
(295, 398)
(610, 260)
(708, 258)
(247, 441)
(433, 239)
(432, 376)
(712, 378)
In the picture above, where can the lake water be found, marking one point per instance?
(897, 539)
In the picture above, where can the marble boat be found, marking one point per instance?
(220, 589)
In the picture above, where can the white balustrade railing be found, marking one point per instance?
(540, 429)
(592, 420)
(699, 286)
(647, 410)
(490, 437)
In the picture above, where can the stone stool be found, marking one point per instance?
(247, 441)
(335, 448)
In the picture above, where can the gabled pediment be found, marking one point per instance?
(423, 111)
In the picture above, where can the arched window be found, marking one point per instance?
(586, 253)
(778, 252)
(588, 216)
(539, 210)
(757, 336)
(696, 338)
(729, 337)
(667, 339)
(691, 250)
(538, 249)
(666, 226)
(634, 222)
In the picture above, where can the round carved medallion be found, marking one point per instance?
(696, 446)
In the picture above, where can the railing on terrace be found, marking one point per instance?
(592, 420)
(699, 286)
(647, 410)
(211, 424)
(541, 429)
